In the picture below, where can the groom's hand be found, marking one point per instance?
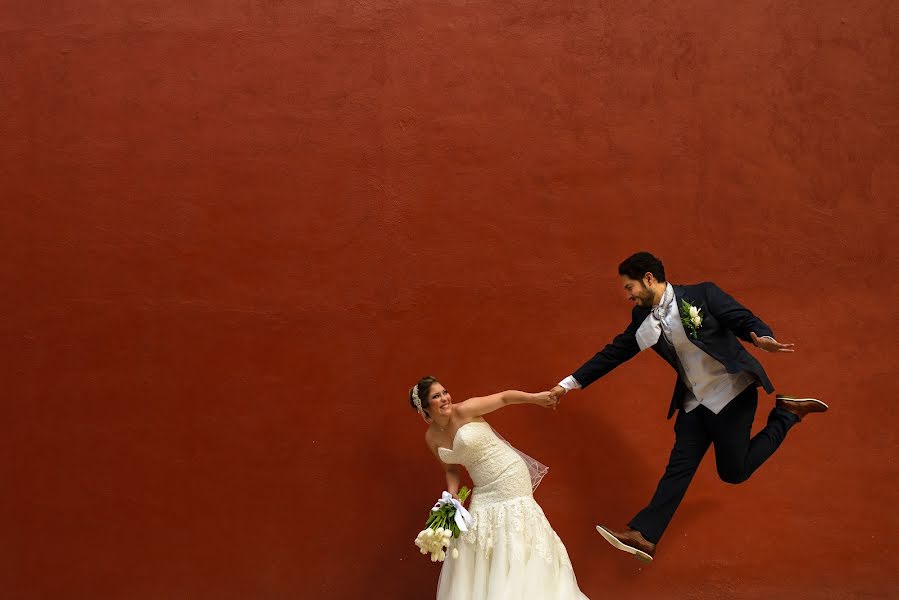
(769, 344)
(556, 394)
(544, 399)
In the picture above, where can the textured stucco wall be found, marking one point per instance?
(235, 232)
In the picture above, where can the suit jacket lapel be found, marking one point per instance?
(678, 297)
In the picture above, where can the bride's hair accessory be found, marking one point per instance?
(422, 387)
(416, 400)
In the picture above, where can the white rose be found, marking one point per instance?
(697, 321)
(442, 556)
(694, 312)
(455, 553)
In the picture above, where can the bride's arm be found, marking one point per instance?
(453, 479)
(453, 474)
(476, 407)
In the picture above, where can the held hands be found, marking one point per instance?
(557, 392)
(769, 344)
(544, 399)
(555, 395)
(548, 399)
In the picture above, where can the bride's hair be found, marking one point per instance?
(422, 388)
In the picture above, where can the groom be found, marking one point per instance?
(695, 329)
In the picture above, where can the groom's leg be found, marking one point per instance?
(690, 443)
(736, 455)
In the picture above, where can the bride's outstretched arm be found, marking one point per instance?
(476, 407)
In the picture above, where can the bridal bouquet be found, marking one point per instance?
(448, 519)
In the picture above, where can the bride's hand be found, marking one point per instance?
(544, 399)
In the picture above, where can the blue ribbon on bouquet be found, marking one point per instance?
(462, 517)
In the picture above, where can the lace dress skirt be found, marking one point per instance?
(511, 552)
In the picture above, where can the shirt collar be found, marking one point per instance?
(667, 296)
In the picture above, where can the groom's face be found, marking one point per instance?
(636, 292)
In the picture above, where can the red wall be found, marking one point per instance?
(235, 233)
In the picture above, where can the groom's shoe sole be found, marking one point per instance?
(794, 399)
(618, 544)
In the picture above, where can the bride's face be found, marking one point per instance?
(439, 401)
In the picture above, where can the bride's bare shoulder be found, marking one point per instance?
(430, 438)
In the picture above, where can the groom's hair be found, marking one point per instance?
(639, 264)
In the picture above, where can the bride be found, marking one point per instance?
(510, 552)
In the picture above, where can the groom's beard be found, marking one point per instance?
(644, 299)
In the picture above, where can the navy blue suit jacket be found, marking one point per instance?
(724, 320)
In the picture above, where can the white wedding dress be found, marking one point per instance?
(510, 552)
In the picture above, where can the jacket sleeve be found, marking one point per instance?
(619, 350)
(733, 315)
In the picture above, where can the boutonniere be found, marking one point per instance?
(691, 318)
